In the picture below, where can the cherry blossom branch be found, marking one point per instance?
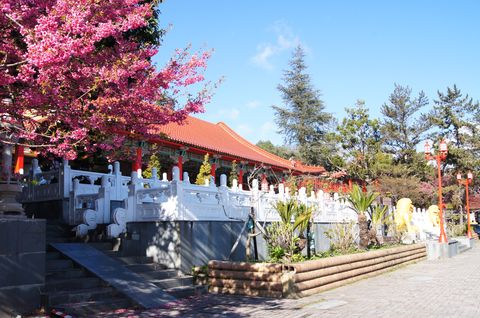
(13, 20)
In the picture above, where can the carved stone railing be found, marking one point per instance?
(110, 198)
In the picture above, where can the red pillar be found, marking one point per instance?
(350, 184)
(469, 232)
(240, 177)
(180, 166)
(137, 164)
(214, 168)
(20, 155)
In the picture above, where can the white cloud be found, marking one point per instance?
(285, 40)
(253, 104)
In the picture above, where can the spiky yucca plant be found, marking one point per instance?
(282, 240)
(361, 202)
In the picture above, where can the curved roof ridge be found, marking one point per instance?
(222, 139)
(251, 145)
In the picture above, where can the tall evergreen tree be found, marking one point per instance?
(401, 128)
(303, 120)
(455, 115)
(360, 138)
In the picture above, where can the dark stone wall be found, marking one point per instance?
(22, 265)
(185, 244)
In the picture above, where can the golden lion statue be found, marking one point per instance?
(433, 216)
(403, 217)
(403, 220)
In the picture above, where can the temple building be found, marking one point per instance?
(185, 145)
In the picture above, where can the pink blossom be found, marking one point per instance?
(68, 94)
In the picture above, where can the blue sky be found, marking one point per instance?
(355, 50)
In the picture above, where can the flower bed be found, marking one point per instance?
(309, 277)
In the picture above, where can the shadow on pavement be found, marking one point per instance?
(210, 305)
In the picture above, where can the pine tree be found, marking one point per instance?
(233, 173)
(456, 117)
(205, 171)
(401, 129)
(303, 119)
(154, 162)
(360, 138)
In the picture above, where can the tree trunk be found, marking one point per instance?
(363, 229)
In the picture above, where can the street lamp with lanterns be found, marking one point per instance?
(467, 182)
(441, 156)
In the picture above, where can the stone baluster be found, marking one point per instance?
(65, 179)
(104, 182)
(287, 193)
(271, 190)
(234, 184)
(255, 185)
(116, 168)
(186, 178)
(164, 177)
(212, 182)
(302, 195)
(281, 192)
(223, 181)
(176, 174)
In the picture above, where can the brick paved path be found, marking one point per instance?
(444, 288)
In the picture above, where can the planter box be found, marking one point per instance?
(307, 278)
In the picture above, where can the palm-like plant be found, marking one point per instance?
(361, 202)
(281, 237)
(378, 215)
(286, 210)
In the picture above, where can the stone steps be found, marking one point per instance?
(66, 273)
(62, 284)
(72, 289)
(160, 274)
(141, 268)
(58, 264)
(187, 291)
(79, 296)
(134, 260)
(174, 282)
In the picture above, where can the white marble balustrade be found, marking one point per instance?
(110, 198)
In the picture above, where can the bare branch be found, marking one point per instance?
(13, 20)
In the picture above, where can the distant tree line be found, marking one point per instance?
(386, 152)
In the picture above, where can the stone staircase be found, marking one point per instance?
(70, 288)
(73, 290)
(170, 280)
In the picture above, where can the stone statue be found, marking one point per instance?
(403, 219)
(433, 212)
(434, 218)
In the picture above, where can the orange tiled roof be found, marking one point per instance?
(221, 139)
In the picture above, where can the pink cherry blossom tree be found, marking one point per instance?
(78, 75)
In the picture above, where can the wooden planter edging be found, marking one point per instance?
(307, 278)
(261, 279)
